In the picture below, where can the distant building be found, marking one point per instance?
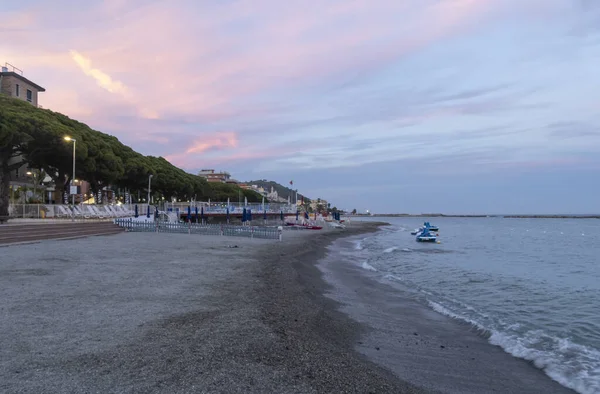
(211, 176)
(14, 84)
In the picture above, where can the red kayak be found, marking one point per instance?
(305, 226)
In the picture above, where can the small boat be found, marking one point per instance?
(426, 236)
(305, 226)
(430, 227)
(310, 227)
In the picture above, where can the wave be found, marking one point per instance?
(393, 277)
(572, 365)
(390, 250)
(368, 267)
(358, 244)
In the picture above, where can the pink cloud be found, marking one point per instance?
(118, 64)
(192, 152)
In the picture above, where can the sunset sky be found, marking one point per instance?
(455, 106)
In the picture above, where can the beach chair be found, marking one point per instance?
(63, 211)
(115, 210)
(96, 211)
(125, 212)
(87, 210)
(80, 213)
(104, 209)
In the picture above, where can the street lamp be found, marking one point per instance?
(35, 181)
(149, 185)
(67, 138)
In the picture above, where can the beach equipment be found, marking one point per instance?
(426, 236)
(281, 216)
(196, 209)
(244, 215)
(148, 212)
(431, 227)
(265, 215)
(297, 214)
(189, 215)
(249, 215)
(136, 213)
(227, 214)
(202, 214)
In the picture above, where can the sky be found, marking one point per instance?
(392, 106)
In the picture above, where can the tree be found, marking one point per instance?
(354, 211)
(35, 136)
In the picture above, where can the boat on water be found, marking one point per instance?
(427, 226)
(431, 227)
(426, 236)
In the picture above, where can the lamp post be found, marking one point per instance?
(34, 175)
(73, 177)
(149, 186)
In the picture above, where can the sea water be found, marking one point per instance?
(531, 285)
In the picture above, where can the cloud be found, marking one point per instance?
(364, 82)
(104, 80)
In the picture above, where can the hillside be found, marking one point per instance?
(282, 191)
(36, 137)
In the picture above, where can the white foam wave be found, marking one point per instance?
(572, 365)
(358, 245)
(390, 250)
(393, 277)
(406, 250)
(368, 267)
(444, 311)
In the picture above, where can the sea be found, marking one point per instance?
(531, 286)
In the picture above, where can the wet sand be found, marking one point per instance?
(421, 346)
(172, 313)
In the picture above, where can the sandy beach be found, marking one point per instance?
(172, 313)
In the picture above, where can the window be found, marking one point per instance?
(17, 90)
(29, 95)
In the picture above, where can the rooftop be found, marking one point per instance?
(8, 70)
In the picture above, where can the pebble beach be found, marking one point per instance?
(176, 313)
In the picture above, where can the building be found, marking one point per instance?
(314, 204)
(211, 176)
(14, 84)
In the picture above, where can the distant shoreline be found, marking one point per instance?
(395, 215)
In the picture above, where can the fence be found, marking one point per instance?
(85, 211)
(203, 229)
(234, 208)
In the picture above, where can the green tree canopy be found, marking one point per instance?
(35, 136)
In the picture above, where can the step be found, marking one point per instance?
(15, 238)
(11, 237)
(53, 227)
(57, 237)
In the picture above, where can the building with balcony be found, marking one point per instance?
(14, 84)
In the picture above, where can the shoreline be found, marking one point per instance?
(309, 323)
(401, 215)
(421, 346)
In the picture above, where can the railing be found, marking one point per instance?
(91, 211)
(202, 229)
(234, 208)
